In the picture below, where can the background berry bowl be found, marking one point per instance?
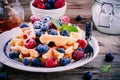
(54, 13)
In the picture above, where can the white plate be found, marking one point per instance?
(6, 36)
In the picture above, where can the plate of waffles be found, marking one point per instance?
(50, 50)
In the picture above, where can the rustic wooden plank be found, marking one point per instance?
(77, 73)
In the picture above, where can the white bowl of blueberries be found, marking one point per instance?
(53, 8)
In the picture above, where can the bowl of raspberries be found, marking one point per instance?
(53, 8)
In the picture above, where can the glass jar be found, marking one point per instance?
(11, 14)
(106, 16)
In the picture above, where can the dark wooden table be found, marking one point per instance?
(107, 43)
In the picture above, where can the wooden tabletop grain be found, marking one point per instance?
(107, 43)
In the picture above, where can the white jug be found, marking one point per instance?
(106, 16)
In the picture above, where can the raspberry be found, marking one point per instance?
(35, 3)
(51, 62)
(30, 43)
(65, 19)
(41, 5)
(44, 1)
(81, 43)
(34, 18)
(52, 26)
(59, 3)
(77, 55)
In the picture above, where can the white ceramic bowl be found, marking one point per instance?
(54, 13)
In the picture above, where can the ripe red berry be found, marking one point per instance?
(81, 43)
(34, 18)
(25, 36)
(41, 6)
(35, 3)
(59, 3)
(65, 19)
(51, 62)
(77, 55)
(30, 43)
(44, 1)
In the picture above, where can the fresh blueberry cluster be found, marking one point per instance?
(45, 24)
(48, 4)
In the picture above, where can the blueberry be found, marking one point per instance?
(79, 48)
(39, 33)
(37, 22)
(36, 62)
(1, 66)
(14, 54)
(52, 32)
(46, 19)
(88, 75)
(60, 22)
(61, 50)
(51, 1)
(36, 26)
(64, 33)
(109, 56)
(23, 25)
(64, 61)
(42, 48)
(3, 76)
(78, 18)
(44, 27)
(26, 61)
(51, 44)
(48, 6)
